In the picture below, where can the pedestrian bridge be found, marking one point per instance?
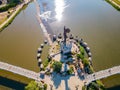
(21, 71)
(36, 76)
(102, 74)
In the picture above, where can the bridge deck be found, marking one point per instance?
(102, 74)
(20, 71)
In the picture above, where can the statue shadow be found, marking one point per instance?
(58, 78)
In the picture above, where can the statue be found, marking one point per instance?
(66, 30)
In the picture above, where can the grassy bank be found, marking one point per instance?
(15, 77)
(10, 21)
(115, 6)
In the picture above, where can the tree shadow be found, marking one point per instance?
(11, 83)
(114, 88)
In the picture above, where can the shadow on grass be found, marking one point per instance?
(11, 83)
(114, 88)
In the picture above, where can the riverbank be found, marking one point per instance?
(7, 79)
(114, 3)
(15, 77)
(14, 14)
(8, 84)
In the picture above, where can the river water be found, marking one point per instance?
(96, 21)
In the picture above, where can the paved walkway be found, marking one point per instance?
(21, 71)
(102, 74)
(58, 82)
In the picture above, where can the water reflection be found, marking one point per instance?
(59, 9)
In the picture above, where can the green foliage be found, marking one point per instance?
(47, 73)
(32, 86)
(82, 53)
(91, 70)
(116, 7)
(9, 22)
(70, 71)
(5, 8)
(83, 88)
(82, 50)
(93, 86)
(57, 66)
(36, 86)
(80, 56)
(45, 62)
(100, 84)
(12, 3)
(96, 85)
(85, 62)
(45, 86)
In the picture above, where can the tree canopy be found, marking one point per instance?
(57, 66)
(36, 86)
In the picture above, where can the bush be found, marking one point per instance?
(47, 73)
(57, 66)
(12, 3)
(45, 62)
(36, 86)
(96, 85)
(82, 50)
(85, 62)
(80, 56)
(32, 86)
(45, 86)
(70, 71)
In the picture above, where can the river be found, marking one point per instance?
(96, 21)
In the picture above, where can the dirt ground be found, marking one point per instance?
(3, 16)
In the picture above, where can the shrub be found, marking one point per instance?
(36, 86)
(45, 62)
(70, 71)
(57, 66)
(82, 50)
(85, 62)
(45, 86)
(12, 3)
(80, 56)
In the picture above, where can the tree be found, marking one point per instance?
(57, 66)
(80, 56)
(82, 50)
(32, 86)
(85, 62)
(36, 86)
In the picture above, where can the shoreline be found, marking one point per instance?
(114, 4)
(12, 17)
